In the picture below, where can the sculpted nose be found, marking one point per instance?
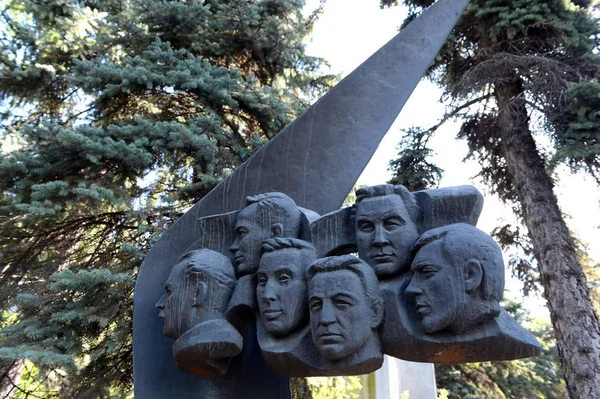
(413, 288)
(235, 246)
(160, 305)
(327, 315)
(269, 294)
(380, 239)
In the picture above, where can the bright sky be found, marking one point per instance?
(350, 31)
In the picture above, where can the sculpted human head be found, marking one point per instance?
(458, 278)
(281, 289)
(264, 216)
(198, 289)
(386, 229)
(345, 305)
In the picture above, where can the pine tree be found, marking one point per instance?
(513, 70)
(116, 117)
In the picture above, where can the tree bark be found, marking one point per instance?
(9, 376)
(300, 389)
(565, 285)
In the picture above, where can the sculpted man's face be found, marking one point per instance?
(438, 287)
(385, 234)
(281, 291)
(250, 232)
(183, 305)
(340, 314)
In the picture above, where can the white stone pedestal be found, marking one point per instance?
(396, 377)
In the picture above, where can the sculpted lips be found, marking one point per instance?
(423, 309)
(272, 314)
(329, 337)
(383, 257)
(239, 259)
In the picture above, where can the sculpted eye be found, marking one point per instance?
(262, 280)
(366, 226)
(341, 304)
(284, 278)
(315, 306)
(392, 223)
(428, 272)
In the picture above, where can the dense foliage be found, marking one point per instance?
(550, 46)
(116, 116)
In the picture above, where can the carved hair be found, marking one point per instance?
(278, 208)
(278, 243)
(461, 242)
(220, 266)
(351, 263)
(387, 189)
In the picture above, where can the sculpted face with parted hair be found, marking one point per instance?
(386, 229)
(198, 289)
(458, 278)
(345, 306)
(281, 284)
(264, 216)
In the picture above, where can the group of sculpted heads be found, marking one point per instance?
(455, 272)
(335, 295)
(201, 283)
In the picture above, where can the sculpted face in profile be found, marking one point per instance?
(345, 307)
(265, 216)
(281, 290)
(458, 278)
(198, 289)
(385, 227)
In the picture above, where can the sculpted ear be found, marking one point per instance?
(277, 230)
(377, 314)
(200, 294)
(473, 275)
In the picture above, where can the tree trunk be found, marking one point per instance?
(561, 275)
(300, 389)
(9, 376)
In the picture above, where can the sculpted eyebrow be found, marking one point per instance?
(345, 295)
(393, 215)
(421, 265)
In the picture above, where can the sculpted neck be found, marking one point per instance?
(477, 313)
(370, 352)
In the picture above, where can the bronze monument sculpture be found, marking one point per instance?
(259, 287)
